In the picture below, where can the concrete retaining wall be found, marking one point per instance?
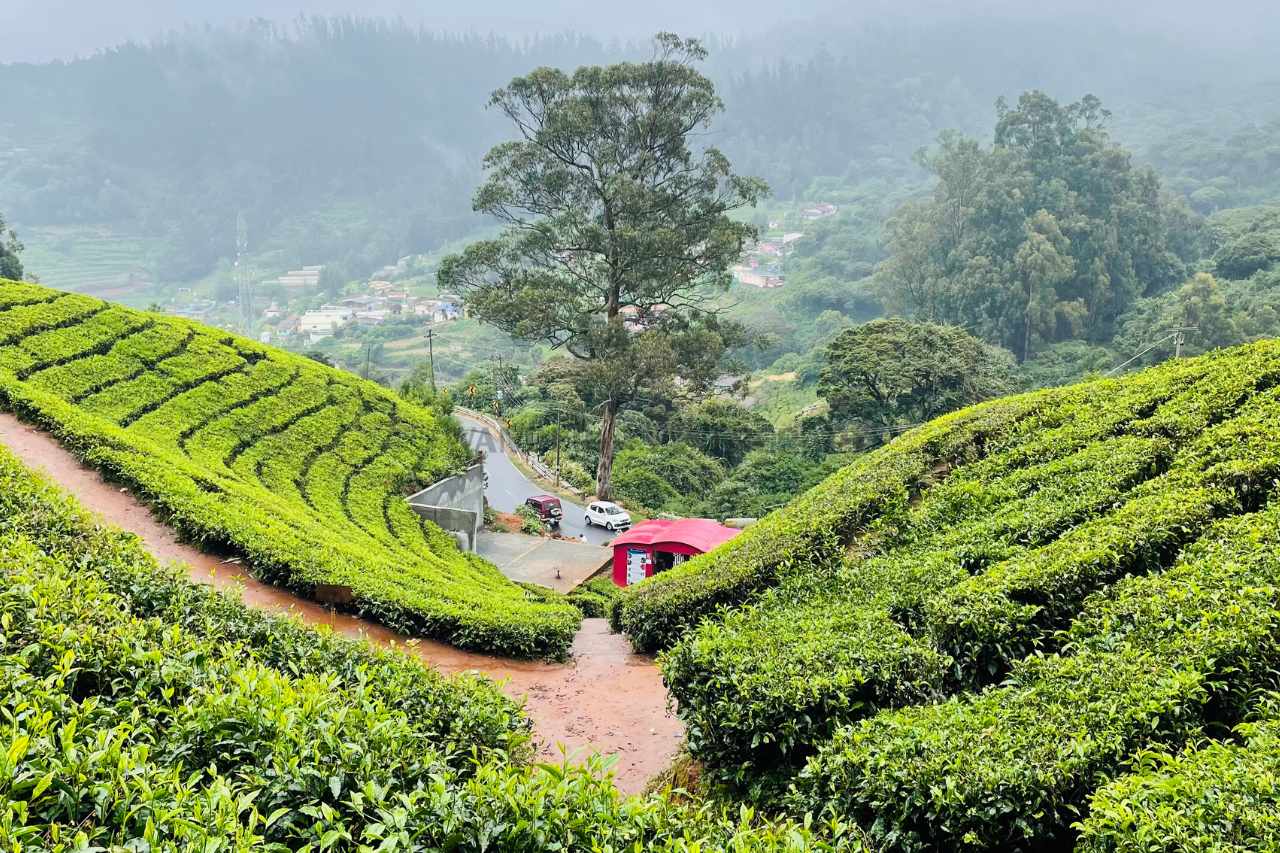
(456, 504)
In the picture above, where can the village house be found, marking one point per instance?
(324, 321)
(307, 277)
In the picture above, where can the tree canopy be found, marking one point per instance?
(892, 372)
(1048, 235)
(616, 226)
(10, 248)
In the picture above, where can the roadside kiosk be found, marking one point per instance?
(660, 544)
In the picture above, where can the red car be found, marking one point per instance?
(547, 508)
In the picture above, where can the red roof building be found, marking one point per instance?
(657, 545)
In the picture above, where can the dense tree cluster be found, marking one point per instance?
(1050, 234)
(1217, 172)
(339, 139)
(891, 372)
(10, 248)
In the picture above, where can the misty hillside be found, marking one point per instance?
(358, 141)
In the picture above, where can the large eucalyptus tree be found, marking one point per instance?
(616, 219)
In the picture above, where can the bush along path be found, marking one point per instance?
(606, 699)
(1007, 622)
(140, 711)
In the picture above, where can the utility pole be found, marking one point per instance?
(431, 358)
(244, 285)
(557, 448)
(368, 353)
(1180, 338)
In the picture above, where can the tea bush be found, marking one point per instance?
(297, 467)
(594, 597)
(985, 567)
(140, 712)
(808, 535)
(1161, 659)
(1216, 797)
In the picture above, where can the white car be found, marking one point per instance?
(608, 515)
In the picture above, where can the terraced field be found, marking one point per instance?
(1031, 625)
(141, 712)
(92, 260)
(299, 468)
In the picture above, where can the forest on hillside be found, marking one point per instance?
(357, 142)
(1038, 221)
(1048, 254)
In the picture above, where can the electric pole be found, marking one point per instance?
(557, 448)
(244, 285)
(1180, 338)
(431, 358)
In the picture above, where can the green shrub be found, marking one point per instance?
(985, 567)
(140, 712)
(297, 467)
(809, 534)
(530, 522)
(759, 689)
(1157, 660)
(1219, 797)
(594, 597)
(461, 714)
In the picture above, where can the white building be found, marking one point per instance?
(305, 277)
(324, 321)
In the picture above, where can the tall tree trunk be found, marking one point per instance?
(604, 471)
(1026, 329)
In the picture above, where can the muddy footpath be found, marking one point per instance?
(606, 699)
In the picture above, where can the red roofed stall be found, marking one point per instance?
(657, 545)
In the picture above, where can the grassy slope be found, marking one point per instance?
(956, 639)
(298, 467)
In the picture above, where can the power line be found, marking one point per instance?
(868, 432)
(1177, 335)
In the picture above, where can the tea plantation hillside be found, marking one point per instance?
(975, 636)
(298, 467)
(141, 712)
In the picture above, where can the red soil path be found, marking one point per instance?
(606, 699)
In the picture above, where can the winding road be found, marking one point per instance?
(607, 699)
(508, 486)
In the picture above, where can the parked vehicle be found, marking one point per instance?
(548, 509)
(608, 515)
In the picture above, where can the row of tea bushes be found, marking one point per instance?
(982, 571)
(1157, 660)
(760, 688)
(810, 534)
(297, 467)
(1210, 797)
(139, 712)
(461, 716)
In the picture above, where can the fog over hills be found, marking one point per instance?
(39, 30)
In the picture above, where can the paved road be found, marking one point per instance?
(508, 487)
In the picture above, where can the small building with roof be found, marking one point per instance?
(659, 544)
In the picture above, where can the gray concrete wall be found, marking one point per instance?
(456, 504)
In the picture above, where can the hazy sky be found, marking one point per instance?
(38, 30)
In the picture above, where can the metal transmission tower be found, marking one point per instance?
(244, 283)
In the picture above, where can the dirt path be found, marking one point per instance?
(606, 700)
